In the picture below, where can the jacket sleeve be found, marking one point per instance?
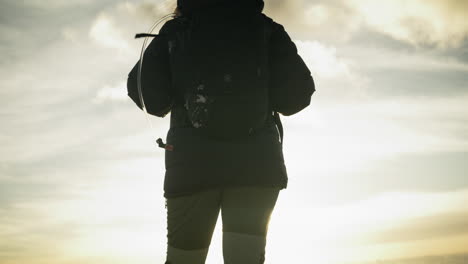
(155, 78)
(291, 83)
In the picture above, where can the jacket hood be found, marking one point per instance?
(191, 6)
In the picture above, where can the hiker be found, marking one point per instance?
(224, 71)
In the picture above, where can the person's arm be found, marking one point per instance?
(291, 83)
(156, 81)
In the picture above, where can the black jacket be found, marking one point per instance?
(196, 162)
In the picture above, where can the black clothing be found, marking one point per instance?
(244, 210)
(197, 162)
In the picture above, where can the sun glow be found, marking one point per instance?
(339, 234)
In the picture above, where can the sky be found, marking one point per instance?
(377, 164)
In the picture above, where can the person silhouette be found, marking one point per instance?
(224, 70)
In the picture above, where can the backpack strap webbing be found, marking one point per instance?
(145, 35)
(279, 125)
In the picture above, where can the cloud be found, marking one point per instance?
(406, 72)
(308, 20)
(346, 150)
(115, 27)
(431, 23)
(428, 22)
(424, 228)
(434, 259)
(360, 230)
(112, 93)
(99, 216)
(148, 10)
(65, 158)
(323, 60)
(56, 4)
(105, 33)
(336, 77)
(47, 107)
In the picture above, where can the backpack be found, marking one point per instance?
(221, 71)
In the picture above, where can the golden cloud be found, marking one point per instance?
(419, 22)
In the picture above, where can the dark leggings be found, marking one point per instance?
(245, 213)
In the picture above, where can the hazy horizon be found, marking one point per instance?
(377, 164)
